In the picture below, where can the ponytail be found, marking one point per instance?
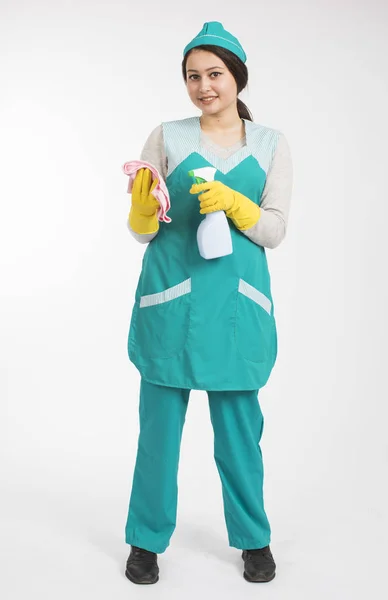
(243, 110)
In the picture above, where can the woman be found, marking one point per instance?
(206, 324)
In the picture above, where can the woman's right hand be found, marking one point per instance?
(142, 216)
(142, 198)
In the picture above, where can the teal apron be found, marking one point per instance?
(197, 323)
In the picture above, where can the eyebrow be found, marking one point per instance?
(205, 69)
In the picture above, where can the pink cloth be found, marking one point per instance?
(160, 192)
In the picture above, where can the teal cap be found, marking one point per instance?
(214, 33)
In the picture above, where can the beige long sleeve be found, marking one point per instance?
(271, 228)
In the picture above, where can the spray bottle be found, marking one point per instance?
(213, 235)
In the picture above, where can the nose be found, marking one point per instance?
(205, 85)
(205, 82)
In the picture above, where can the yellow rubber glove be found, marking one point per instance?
(143, 214)
(241, 210)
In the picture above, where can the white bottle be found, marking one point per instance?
(213, 235)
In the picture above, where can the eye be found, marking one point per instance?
(214, 73)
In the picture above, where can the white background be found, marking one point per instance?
(82, 85)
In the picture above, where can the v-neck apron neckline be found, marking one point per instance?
(225, 164)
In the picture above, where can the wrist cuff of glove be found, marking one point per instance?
(244, 213)
(140, 223)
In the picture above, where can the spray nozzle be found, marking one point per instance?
(203, 174)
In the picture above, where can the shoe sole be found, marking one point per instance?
(128, 576)
(258, 580)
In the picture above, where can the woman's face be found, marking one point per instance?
(208, 76)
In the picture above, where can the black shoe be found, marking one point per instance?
(259, 565)
(142, 566)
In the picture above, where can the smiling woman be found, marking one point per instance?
(206, 324)
(205, 99)
(207, 85)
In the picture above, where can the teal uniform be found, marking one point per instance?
(208, 325)
(237, 422)
(197, 323)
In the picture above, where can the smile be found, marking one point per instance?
(208, 100)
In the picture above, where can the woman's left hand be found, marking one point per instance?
(217, 197)
(241, 210)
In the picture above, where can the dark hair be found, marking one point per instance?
(235, 66)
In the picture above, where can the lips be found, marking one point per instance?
(208, 100)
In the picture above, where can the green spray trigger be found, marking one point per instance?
(202, 175)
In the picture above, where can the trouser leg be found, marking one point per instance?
(238, 422)
(153, 502)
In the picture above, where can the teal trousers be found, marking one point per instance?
(237, 423)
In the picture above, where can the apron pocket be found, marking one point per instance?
(255, 324)
(162, 321)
